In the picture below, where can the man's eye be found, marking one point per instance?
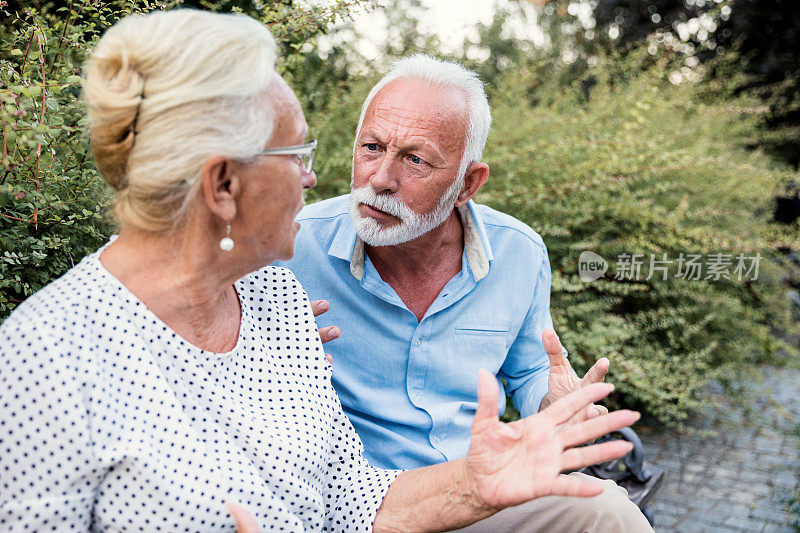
(371, 147)
(415, 159)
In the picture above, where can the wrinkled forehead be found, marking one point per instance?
(417, 104)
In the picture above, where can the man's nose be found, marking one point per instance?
(384, 180)
(309, 179)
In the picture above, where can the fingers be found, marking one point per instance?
(553, 348)
(570, 486)
(589, 413)
(588, 430)
(319, 306)
(566, 407)
(597, 373)
(245, 523)
(329, 333)
(593, 411)
(329, 358)
(577, 458)
(488, 396)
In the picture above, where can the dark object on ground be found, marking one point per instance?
(631, 472)
(787, 209)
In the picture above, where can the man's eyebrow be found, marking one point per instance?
(418, 146)
(428, 149)
(373, 135)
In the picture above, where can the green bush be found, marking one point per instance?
(52, 200)
(642, 167)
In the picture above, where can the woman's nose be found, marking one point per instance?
(309, 179)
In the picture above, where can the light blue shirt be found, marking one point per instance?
(410, 388)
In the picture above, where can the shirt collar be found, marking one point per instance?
(348, 246)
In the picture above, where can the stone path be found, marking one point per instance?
(741, 478)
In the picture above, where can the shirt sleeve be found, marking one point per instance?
(527, 366)
(47, 476)
(353, 490)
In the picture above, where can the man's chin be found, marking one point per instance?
(374, 235)
(392, 236)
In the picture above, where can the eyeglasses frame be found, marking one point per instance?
(298, 149)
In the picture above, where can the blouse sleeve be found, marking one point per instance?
(353, 490)
(47, 477)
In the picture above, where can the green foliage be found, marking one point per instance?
(642, 167)
(52, 199)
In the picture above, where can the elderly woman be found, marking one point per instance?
(172, 371)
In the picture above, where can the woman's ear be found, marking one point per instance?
(221, 186)
(474, 179)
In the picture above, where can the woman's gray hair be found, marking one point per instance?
(440, 73)
(165, 92)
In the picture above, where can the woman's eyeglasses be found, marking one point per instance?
(304, 153)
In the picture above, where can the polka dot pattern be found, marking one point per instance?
(111, 421)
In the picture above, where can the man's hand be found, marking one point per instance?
(325, 334)
(509, 464)
(562, 379)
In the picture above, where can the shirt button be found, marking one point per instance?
(436, 439)
(419, 342)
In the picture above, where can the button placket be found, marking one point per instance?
(416, 366)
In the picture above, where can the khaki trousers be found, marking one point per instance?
(610, 512)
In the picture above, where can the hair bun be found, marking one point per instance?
(206, 77)
(114, 89)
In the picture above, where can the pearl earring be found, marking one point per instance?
(227, 243)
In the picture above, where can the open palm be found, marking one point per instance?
(516, 462)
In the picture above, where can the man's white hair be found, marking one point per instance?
(440, 73)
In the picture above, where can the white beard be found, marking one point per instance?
(412, 224)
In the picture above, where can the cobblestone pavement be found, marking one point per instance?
(741, 477)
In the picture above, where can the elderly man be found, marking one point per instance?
(428, 287)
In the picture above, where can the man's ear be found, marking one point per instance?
(476, 176)
(221, 187)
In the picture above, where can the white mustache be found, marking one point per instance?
(383, 202)
(412, 224)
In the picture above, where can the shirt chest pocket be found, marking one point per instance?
(476, 347)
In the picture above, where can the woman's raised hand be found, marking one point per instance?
(509, 464)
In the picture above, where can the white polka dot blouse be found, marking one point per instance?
(109, 421)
